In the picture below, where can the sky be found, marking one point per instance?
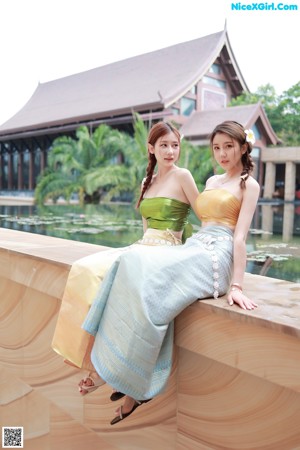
(42, 40)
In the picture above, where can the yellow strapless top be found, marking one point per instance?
(218, 205)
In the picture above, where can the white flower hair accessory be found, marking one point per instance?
(250, 137)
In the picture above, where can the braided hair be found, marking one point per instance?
(237, 132)
(158, 130)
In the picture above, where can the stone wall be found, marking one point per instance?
(235, 379)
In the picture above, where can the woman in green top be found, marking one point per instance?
(165, 200)
(166, 195)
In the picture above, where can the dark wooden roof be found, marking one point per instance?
(149, 82)
(201, 124)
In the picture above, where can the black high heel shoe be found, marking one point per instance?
(123, 416)
(116, 396)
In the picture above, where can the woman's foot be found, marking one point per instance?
(125, 410)
(90, 383)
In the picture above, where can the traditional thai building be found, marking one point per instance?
(191, 83)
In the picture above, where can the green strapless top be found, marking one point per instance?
(162, 213)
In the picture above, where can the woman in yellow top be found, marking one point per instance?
(167, 194)
(132, 316)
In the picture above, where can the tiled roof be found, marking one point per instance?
(201, 124)
(151, 81)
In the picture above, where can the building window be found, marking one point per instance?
(256, 132)
(193, 90)
(255, 154)
(214, 82)
(215, 68)
(187, 106)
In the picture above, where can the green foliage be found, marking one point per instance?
(289, 125)
(112, 180)
(90, 165)
(198, 159)
(140, 134)
(283, 111)
(135, 153)
(246, 98)
(108, 163)
(53, 184)
(105, 163)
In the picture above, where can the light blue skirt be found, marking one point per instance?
(132, 317)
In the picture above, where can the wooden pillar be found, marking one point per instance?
(43, 161)
(10, 171)
(31, 170)
(290, 181)
(269, 180)
(20, 171)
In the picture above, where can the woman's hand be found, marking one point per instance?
(237, 296)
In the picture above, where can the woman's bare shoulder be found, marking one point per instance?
(212, 181)
(252, 183)
(183, 171)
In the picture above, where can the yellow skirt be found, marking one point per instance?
(84, 280)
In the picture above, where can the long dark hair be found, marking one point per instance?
(158, 130)
(237, 132)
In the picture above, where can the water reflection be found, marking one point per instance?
(112, 225)
(273, 245)
(283, 219)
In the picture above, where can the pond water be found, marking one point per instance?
(273, 244)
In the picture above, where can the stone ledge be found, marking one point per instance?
(50, 249)
(235, 377)
(278, 300)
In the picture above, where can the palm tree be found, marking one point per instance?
(108, 163)
(116, 179)
(90, 165)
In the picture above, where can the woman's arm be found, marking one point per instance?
(189, 186)
(145, 226)
(249, 203)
